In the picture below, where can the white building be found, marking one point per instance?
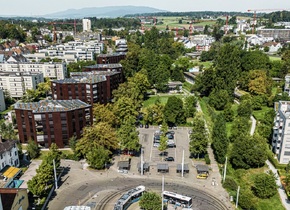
(2, 101)
(86, 25)
(18, 82)
(50, 70)
(287, 84)
(8, 153)
(281, 132)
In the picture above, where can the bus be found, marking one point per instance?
(129, 197)
(177, 199)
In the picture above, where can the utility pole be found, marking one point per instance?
(142, 169)
(237, 199)
(225, 170)
(55, 178)
(162, 192)
(182, 164)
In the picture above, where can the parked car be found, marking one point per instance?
(171, 145)
(174, 127)
(146, 126)
(141, 125)
(163, 153)
(169, 159)
(170, 132)
(169, 136)
(156, 145)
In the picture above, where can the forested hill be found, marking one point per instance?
(197, 14)
(279, 16)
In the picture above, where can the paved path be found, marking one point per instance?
(30, 172)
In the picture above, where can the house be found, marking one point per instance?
(13, 199)
(52, 121)
(8, 153)
(273, 46)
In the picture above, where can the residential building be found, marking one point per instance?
(18, 82)
(13, 199)
(113, 80)
(89, 88)
(110, 58)
(2, 100)
(86, 25)
(281, 34)
(273, 46)
(112, 67)
(281, 132)
(52, 121)
(51, 70)
(8, 153)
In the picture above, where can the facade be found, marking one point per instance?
(8, 153)
(13, 199)
(91, 89)
(281, 132)
(50, 70)
(113, 79)
(52, 121)
(18, 82)
(86, 25)
(287, 84)
(281, 34)
(2, 101)
(110, 58)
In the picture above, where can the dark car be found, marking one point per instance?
(146, 126)
(169, 159)
(141, 125)
(171, 145)
(163, 153)
(170, 132)
(157, 137)
(169, 136)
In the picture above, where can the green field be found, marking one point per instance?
(274, 58)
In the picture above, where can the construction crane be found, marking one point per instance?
(63, 23)
(226, 27)
(255, 15)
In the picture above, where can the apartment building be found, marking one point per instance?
(110, 58)
(287, 84)
(8, 153)
(52, 121)
(281, 132)
(18, 82)
(86, 25)
(2, 101)
(90, 88)
(281, 34)
(113, 80)
(50, 70)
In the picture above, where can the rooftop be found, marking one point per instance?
(6, 145)
(86, 79)
(11, 73)
(105, 66)
(52, 105)
(87, 74)
(110, 55)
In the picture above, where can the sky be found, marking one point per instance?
(42, 7)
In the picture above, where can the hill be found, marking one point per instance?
(108, 12)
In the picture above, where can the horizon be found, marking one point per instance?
(46, 8)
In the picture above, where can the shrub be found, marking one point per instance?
(207, 160)
(230, 184)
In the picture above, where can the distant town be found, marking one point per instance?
(156, 110)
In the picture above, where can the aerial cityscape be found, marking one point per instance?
(152, 105)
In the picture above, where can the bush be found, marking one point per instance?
(207, 160)
(247, 199)
(230, 184)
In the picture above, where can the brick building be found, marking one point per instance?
(52, 121)
(91, 88)
(110, 58)
(113, 79)
(113, 67)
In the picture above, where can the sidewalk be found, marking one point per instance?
(31, 172)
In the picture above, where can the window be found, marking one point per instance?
(287, 153)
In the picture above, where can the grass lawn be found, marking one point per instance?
(259, 114)
(205, 111)
(43, 153)
(271, 203)
(275, 58)
(163, 99)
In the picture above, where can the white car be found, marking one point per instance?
(156, 145)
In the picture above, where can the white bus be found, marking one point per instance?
(129, 197)
(177, 199)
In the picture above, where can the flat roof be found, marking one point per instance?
(52, 105)
(145, 165)
(104, 66)
(162, 166)
(110, 55)
(85, 74)
(77, 208)
(204, 168)
(123, 164)
(185, 167)
(89, 78)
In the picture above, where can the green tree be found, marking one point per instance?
(128, 135)
(7, 131)
(228, 113)
(199, 136)
(173, 111)
(69, 38)
(245, 109)
(259, 82)
(190, 106)
(33, 150)
(240, 127)
(249, 151)
(38, 185)
(97, 157)
(219, 139)
(219, 99)
(53, 154)
(246, 199)
(72, 143)
(163, 137)
(150, 201)
(265, 185)
(252, 60)
(104, 113)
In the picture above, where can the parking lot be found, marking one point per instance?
(152, 154)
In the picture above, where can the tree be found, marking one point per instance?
(173, 111)
(97, 157)
(72, 143)
(150, 201)
(30, 95)
(7, 131)
(245, 109)
(246, 199)
(125, 108)
(163, 138)
(205, 82)
(128, 136)
(69, 38)
(33, 150)
(252, 60)
(220, 139)
(265, 185)
(38, 185)
(43, 88)
(53, 154)
(240, 127)
(219, 99)
(199, 136)
(104, 113)
(249, 151)
(228, 113)
(259, 82)
(190, 106)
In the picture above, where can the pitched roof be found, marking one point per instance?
(6, 145)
